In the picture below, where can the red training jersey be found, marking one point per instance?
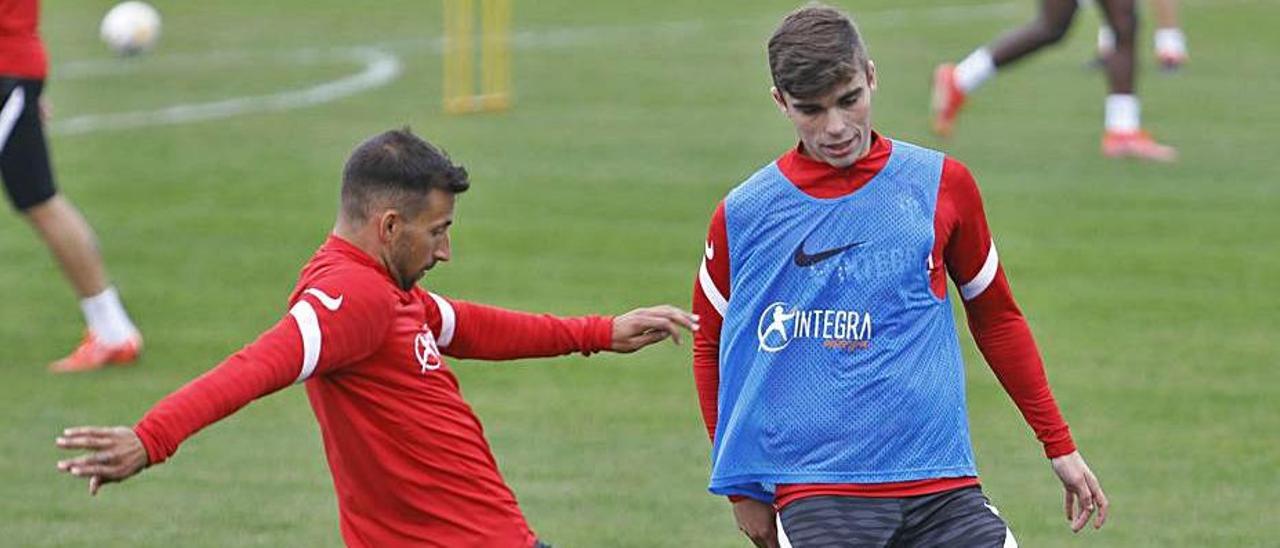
(409, 460)
(963, 250)
(22, 54)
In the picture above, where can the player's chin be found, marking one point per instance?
(408, 281)
(841, 162)
(421, 273)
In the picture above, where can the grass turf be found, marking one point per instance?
(1149, 287)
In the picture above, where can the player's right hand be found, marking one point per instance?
(116, 454)
(756, 520)
(645, 326)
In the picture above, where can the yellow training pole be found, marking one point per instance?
(495, 55)
(459, 86)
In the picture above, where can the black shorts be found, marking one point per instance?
(961, 518)
(24, 156)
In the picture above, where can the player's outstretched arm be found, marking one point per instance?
(115, 454)
(466, 330)
(645, 326)
(1083, 493)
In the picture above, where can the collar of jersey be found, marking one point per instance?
(336, 243)
(822, 180)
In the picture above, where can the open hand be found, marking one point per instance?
(116, 454)
(1083, 493)
(644, 326)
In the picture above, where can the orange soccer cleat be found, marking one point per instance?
(947, 99)
(92, 355)
(1136, 144)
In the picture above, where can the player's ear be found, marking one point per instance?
(389, 222)
(871, 75)
(779, 99)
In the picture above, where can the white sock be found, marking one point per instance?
(974, 70)
(1106, 40)
(1171, 41)
(106, 317)
(1123, 113)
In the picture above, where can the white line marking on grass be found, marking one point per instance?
(380, 69)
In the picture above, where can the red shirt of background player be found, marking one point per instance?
(22, 54)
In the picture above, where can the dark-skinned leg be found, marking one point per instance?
(1048, 28)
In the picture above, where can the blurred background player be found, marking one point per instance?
(409, 459)
(1169, 41)
(111, 337)
(828, 367)
(1123, 136)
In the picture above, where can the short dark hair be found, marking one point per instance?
(397, 168)
(814, 49)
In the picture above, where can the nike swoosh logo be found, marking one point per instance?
(803, 259)
(329, 302)
(711, 251)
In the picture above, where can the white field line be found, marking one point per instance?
(380, 69)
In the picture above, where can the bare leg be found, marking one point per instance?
(1048, 28)
(1166, 13)
(72, 242)
(1122, 17)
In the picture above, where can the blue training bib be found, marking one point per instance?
(837, 362)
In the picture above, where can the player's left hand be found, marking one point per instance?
(1084, 494)
(46, 109)
(117, 454)
(756, 520)
(644, 326)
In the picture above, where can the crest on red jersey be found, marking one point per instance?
(425, 349)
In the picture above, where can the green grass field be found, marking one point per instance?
(1151, 288)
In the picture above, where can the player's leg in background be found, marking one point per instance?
(28, 179)
(1122, 18)
(963, 518)
(952, 84)
(1048, 28)
(1106, 42)
(72, 242)
(1170, 42)
(1124, 137)
(1106, 45)
(816, 522)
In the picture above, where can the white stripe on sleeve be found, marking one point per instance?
(983, 279)
(709, 289)
(447, 320)
(309, 327)
(10, 113)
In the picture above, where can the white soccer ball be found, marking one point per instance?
(131, 27)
